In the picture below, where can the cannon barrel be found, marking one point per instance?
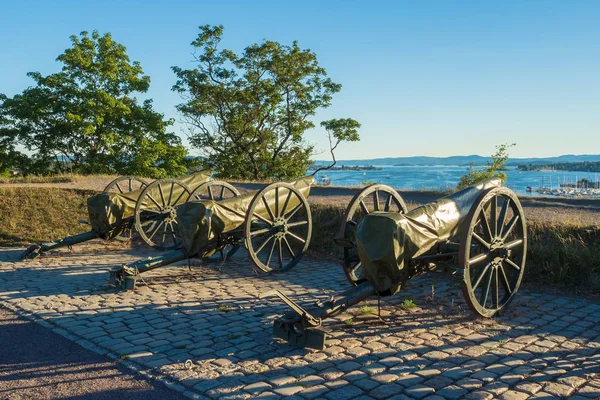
(127, 275)
(35, 250)
(297, 327)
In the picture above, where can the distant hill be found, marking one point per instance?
(465, 160)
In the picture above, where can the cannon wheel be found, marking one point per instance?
(286, 228)
(492, 251)
(217, 191)
(376, 197)
(155, 218)
(124, 184)
(214, 190)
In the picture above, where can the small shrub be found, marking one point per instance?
(364, 310)
(224, 308)
(493, 168)
(408, 304)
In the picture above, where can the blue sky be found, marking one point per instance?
(436, 78)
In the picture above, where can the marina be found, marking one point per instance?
(446, 177)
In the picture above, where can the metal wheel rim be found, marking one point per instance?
(496, 272)
(164, 217)
(349, 260)
(215, 190)
(288, 234)
(129, 186)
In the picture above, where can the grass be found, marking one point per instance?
(39, 179)
(32, 215)
(224, 308)
(366, 310)
(407, 304)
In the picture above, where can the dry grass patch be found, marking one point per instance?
(32, 215)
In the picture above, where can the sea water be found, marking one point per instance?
(423, 177)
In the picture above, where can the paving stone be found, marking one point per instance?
(419, 391)
(543, 347)
(386, 391)
(452, 392)
(345, 392)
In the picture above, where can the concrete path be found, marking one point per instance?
(545, 346)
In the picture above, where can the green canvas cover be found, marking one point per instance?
(387, 241)
(200, 222)
(107, 211)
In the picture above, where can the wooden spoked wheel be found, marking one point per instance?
(492, 251)
(214, 190)
(217, 191)
(124, 184)
(372, 198)
(155, 214)
(278, 227)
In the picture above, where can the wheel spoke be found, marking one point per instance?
(512, 244)
(154, 201)
(388, 203)
(502, 218)
(221, 195)
(156, 230)
(174, 235)
(505, 280)
(280, 254)
(164, 233)
(363, 206)
(299, 223)
(171, 193)
(294, 211)
(478, 258)
(260, 232)
(512, 264)
(289, 248)
(494, 215)
(481, 275)
(511, 225)
(264, 244)
(298, 238)
(285, 204)
(495, 289)
(271, 252)
(262, 218)
(480, 240)
(486, 224)
(376, 200)
(130, 187)
(119, 187)
(210, 193)
(484, 293)
(179, 197)
(268, 209)
(162, 195)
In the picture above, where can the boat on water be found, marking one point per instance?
(324, 180)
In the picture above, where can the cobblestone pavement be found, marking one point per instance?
(545, 346)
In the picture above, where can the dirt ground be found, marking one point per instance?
(537, 209)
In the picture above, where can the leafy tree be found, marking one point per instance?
(247, 112)
(87, 113)
(493, 168)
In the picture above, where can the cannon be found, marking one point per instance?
(274, 224)
(478, 234)
(129, 204)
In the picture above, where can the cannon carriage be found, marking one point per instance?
(477, 234)
(130, 204)
(274, 224)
